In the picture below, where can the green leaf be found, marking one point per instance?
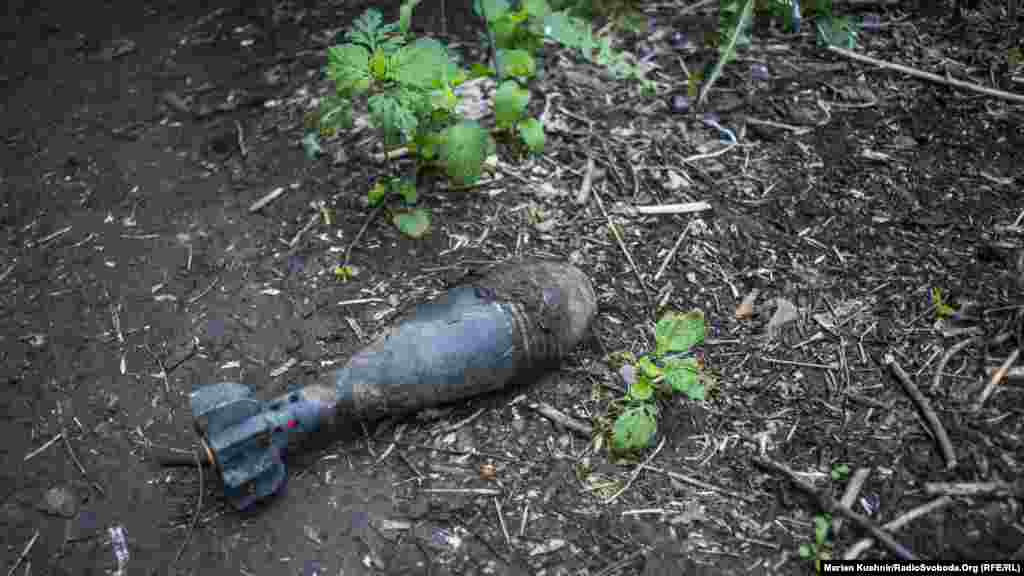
(414, 223)
(370, 31)
(532, 133)
(423, 63)
(641, 389)
(465, 148)
(805, 552)
(840, 472)
(679, 332)
(517, 63)
(392, 117)
(491, 10)
(510, 102)
(407, 190)
(405, 15)
(648, 368)
(821, 526)
(942, 309)
(479, 70)
(683, 375)
(536, 8)
(348, 66)
(836, 31)
(634, 429)
(377, 193)
(312, 146)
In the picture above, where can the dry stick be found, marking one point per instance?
(636, 473)
(672, 252)
(583, 194)
(474, 491)
(71, 454)
(926, 409)
(699, 483)
(551, 413)
(348, 251)
(199, 510)
(974, 488)
(996, 379)
(929, 76)
(850, 494)
(24, 553)
(501, 520)
(864, 544)
(37, 451)
(953, 350)
(829, 504)
(622, 246)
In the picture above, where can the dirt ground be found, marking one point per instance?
(139, 135)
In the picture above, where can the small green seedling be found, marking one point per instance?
(671, 369)
(840, 472)
(821, 548)
(942, 308)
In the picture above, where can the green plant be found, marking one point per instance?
(408, 86)
(670, 369)
(840, 472)
(821, 548)
(942, 308)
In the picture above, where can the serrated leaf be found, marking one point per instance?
(532, 133)
(491, 10)
(414, 223)
(377, 193)
(464, 150)
(517, 63)
(683, 375)
(536, 8)
(348, 66)
(405, 15)
(392, 117)
(510, 102)
(407, 190)
(422, 63)
(641, 389)
(634, 429)
(677, 332)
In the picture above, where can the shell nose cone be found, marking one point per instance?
(580, 301)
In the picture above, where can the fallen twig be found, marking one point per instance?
(359, 235)
(501, 520)
(551, 413)
(687, 208)
(672, 253)
(622, 246)
(42, 448)
(996, 379)
(953, 350)
(636, 472)
(24, 553)
(199, 509)
(929, 76)
(583, 194)
(473, 491)
(975, 488)
(864, 544)
(850, 495)
(78, 464)
(262, 202)
(699, 483)
(829, 505)
(926, 409)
